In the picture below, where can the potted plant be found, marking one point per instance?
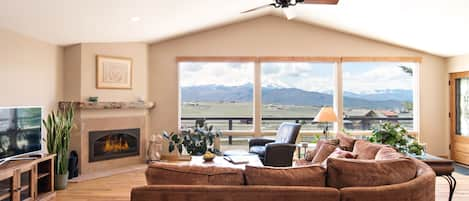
(396, 136)
(59, 126)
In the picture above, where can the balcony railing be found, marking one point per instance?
(350, 123)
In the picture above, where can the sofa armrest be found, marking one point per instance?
(259, 142)
(279, 154)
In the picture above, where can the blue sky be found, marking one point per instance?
(359, 77)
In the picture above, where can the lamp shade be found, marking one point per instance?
(326, 114)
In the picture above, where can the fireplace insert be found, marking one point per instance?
(111, 144)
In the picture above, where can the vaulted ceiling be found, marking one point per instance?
(439, 27)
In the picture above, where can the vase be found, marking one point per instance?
(217, 144)
(60, 181)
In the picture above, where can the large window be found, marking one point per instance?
(295, 92)
(375, 92)
(255, 94)
(219, 92)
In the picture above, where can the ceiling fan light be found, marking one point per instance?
(289, 12)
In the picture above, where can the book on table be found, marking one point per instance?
(237, 159)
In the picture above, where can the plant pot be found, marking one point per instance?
(60, 181)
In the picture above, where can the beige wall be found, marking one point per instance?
(273, 36)
(80, 73)
(458, 63)
(30, 72)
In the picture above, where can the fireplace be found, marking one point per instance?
(111, 144)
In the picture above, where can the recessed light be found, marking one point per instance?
(135, 19)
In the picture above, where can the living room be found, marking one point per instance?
(179, 64)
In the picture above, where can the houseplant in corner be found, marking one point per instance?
(396, 136)
(59, 126)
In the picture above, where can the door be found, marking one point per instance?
(459, 114)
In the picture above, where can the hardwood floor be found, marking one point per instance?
(118, 187)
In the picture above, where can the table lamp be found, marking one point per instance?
(326, 115)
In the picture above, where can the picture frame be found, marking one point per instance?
(113, 72)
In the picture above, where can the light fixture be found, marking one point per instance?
(326, 115)
(135, 19)
(289, 12)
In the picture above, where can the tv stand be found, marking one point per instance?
(27, 178)
(17, 159)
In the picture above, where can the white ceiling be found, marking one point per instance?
(440, 27)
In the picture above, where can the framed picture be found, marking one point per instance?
(113, 72)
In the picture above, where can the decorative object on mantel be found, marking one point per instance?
(155, 146)
(93, 99)
(113, 72)
(109, 105)
(59, 125)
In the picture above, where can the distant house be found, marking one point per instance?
(356, 119)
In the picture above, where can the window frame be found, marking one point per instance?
(337, 92)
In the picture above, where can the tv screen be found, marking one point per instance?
(20, 130)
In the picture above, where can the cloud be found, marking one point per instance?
(357, 77)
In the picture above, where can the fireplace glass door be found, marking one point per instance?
(105, 145)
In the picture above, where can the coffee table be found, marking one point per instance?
(219, 161)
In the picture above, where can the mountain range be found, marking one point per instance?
(383, 99)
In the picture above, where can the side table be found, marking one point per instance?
(305, 146)
(443, 167)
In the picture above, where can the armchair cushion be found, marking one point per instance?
(287, 133)
(259, 141)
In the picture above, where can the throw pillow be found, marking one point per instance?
(289, 176)
(366, 150)
(309, 155)
(174, 174)
(350, 173)
(324, 151)
(339, 153)
(388, 153)
(345, 142)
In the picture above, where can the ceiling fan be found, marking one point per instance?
(286, 4)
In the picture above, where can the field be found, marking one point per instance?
(205, 109)
(245, 110)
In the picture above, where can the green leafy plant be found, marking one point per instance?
(197, 140)
(200, 139)
(396, 136)
(59, 125)
(415, 148)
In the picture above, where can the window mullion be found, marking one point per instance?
(338, 97)
(257, 98)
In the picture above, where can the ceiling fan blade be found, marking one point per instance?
(320, 1)
(260, 7)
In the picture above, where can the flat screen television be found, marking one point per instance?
(20, 131)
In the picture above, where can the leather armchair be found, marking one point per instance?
(278, 152)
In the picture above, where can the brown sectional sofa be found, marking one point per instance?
(408, 180)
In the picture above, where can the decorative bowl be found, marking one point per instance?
(208, 157)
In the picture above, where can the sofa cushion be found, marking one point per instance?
(366, 150)
(388, 153)
(167, 174)
(339, 153)
(309, 155)
(345, 142)
(312, 175)
(350, 172)
(324, 151)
